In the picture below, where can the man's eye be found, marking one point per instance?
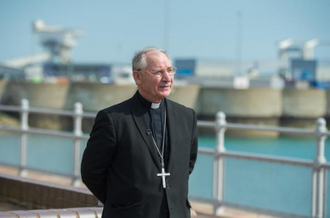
(158, 72)
(170, 70)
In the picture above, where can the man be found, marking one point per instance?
(140, 152)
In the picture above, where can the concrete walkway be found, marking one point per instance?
(203, 210)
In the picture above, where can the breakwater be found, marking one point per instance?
(93, 96)
(267, 106)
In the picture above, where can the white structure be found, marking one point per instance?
(305, 49)
(56, 40)
(309, 46)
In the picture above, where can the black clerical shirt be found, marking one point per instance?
(155, 120)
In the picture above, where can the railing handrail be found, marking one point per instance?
(43, 132)
(291, 130)
(200, 123)
(62, 112)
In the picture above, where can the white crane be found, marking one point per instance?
(56, 40)
(305, 49)
(309, 46)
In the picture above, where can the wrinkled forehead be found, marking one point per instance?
(157, 59)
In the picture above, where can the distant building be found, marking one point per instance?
(9, 73)
(303, 69)
(203, 68)
(103, 73)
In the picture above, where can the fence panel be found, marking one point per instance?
(200, 182)
(250, 183)
(56, 153)
(10, 146)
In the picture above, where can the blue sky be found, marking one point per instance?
(207, 29)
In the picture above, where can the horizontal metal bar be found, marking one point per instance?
(269, 158)
(203, 200)
(258, 157)
(89, 114)
(212, 124)
(10, 108)
(60, 112)
(327, 166)
(269, 128)
(202, 123)
(46, 111)
(43, 132)
(206, 151)
(51, 111)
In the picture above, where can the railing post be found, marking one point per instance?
(24, 127)
(219, 164)
(318, 204)
(78, 112)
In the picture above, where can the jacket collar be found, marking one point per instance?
(138, 111)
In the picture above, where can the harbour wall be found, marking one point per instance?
(288, 107)
(264, 102)
(93, 96)
(266, 106)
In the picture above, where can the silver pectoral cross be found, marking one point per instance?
(163, 174)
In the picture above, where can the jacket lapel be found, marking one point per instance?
(172, 132)
(138, 113)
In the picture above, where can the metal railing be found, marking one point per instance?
(318, 165)
(24, 130)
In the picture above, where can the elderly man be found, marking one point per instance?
(141, 152)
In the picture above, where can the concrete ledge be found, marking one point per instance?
(91, 212)
(32, 194)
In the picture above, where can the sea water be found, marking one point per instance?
(266, 185)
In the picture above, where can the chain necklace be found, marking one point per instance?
(163, 174)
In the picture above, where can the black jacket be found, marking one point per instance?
(120, 163)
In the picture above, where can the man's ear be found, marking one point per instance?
(137, 77)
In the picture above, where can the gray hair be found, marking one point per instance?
(139, 61)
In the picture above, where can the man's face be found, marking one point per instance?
(152, 87)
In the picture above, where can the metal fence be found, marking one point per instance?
(220, 156)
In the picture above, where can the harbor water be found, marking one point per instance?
(266, 185)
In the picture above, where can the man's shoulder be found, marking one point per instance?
(179, 107)
(118, 108)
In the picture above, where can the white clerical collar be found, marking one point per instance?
(155, 105)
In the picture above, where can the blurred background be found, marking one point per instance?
(260, 62)
(214, 29)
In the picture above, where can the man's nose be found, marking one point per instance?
(166, 76)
